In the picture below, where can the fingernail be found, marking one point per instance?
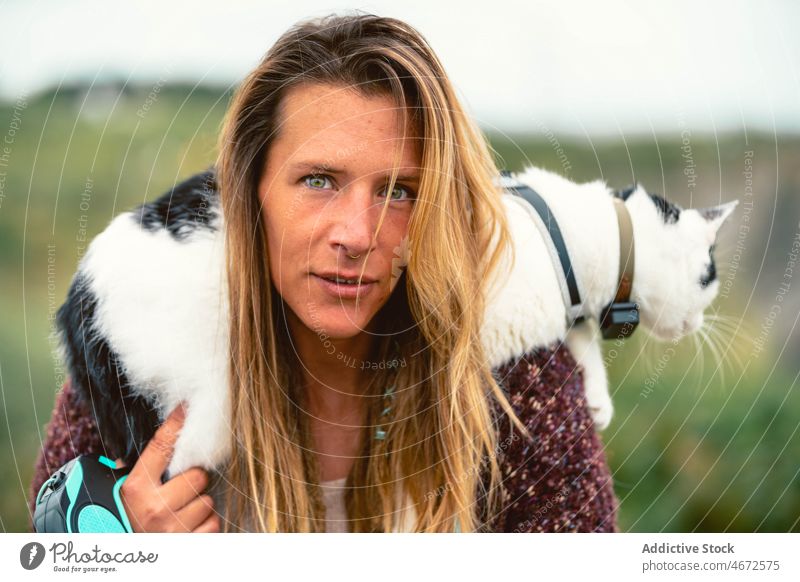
(181, 413)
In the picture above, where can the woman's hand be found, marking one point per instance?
(174, 506)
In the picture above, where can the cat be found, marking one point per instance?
(145, 321)
(675, 277)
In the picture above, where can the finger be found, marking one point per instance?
(210, 525)
(195, 513)
(132, 518)
(157, 454)
(184, 487)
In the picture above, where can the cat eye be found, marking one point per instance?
(711, 270)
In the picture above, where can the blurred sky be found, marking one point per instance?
(616, 66)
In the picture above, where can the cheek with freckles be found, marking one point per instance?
(286, 248)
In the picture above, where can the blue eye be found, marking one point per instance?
(315, 177)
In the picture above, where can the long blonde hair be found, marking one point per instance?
(441, 443)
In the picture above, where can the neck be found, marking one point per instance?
(333, 379)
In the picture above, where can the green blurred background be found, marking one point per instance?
(705, 434)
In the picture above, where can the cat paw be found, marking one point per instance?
(598, 400)
(601, 414)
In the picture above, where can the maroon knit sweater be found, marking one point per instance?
(558, 481)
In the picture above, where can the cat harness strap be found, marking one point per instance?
(621, 316)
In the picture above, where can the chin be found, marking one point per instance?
(694, 324)
(338, 324)
(342, 331)
(665, 334)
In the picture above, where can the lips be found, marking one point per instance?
(344, 290)
(349, 276)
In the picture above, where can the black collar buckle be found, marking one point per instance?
(619, 320)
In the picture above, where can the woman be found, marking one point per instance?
(346, 154)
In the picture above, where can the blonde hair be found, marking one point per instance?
(441, 443)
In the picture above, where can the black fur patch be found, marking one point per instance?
(711, 271)
(125, 421)
(669, 212)
(188, 206)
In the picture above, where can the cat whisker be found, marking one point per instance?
(708, 340)
(727, 330)
(698, 351)
(715, 354)
(724, 325)
(715, 335)
(734, 327)
(736, 324)
(739, 347)
(702, 340)
(719, 351)
(725, 347)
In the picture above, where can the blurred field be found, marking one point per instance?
(691, 450)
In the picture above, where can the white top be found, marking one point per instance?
(335, 510)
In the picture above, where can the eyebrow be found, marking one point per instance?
(315, 167)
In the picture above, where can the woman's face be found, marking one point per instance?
(322, 191)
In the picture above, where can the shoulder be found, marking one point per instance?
(558, 480)
(549, 372)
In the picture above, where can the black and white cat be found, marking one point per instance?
(675, 274)
(145, 323)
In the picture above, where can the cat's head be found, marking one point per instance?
(675, 276)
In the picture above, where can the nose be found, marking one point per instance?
(354, 222)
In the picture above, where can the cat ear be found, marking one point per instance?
(716, 215)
